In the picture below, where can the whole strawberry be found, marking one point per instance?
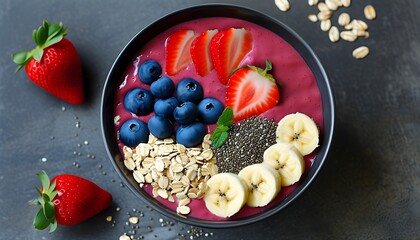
(68, 200)
(53, 64)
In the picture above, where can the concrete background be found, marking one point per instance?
(368, 188)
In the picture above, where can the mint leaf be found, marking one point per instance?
(226, 118)
(221, 133)
(216, 134)
(218, 142)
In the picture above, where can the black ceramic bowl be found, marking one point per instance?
(202, 11)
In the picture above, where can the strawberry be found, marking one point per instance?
(251, 91)
(178, 51)
(68, 200)
(227, 49)
(54, 64)
(200, 52)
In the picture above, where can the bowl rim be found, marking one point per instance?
(175, 17)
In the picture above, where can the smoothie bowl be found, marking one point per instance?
(217, 115)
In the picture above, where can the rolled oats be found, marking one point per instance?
(313, 18)
(334, 34)
(183, 210)
(312, 2)
(325, 25)
(344, 19)
(283, 5)
(172, 169)
(361, 52)
(370, 12)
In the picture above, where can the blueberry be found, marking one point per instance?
(139, 101)
(162, 88)
(209, 110)
(165, 107)
(190, 135)
(189, 90)
(133, 132)
(149, 71)
(160, 127)
(185, 113)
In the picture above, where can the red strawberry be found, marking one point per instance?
(68, 200)
(54, 64)
(200, 52)
(228, 48)
(178, 51)
(251, 91)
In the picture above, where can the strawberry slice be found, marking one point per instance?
(178, 51)
(251, 91)
(227, 49)
(200, 52)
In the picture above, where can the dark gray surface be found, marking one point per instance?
(369, 187)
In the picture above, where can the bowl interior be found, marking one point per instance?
(203, 11)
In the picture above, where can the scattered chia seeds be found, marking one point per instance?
(246, 144)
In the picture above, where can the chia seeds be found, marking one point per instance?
(246, 144)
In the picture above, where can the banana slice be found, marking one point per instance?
(263, 183)
(299, 130)
(287, 160)
(226, 194)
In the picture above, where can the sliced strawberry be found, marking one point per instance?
(228, 49)
(214, 49)
(251, 91)
(178, 51)
(200, 52)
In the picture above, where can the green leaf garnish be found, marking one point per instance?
(46, 215)
(218, 142)
(46, 35)
(221, 133)
(226, 118)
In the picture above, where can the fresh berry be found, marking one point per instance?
(227, 49)
(251, 91)
(165, 107)
(139, 101)
(185, 113)
(68, 200)
(54, 64)
(178, 54)
(209, 110)
(149, 71)
(163, 88)
(200, 52)
(160, 127)
(190, 135)
(133, 132)
(189, 90)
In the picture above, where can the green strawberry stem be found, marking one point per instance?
(45, 36)
(46, 215)
(264, 72)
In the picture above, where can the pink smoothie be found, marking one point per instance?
(298, 93)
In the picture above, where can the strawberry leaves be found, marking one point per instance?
(46, 215)
(221, 133)
(264, 72)
(46, 35)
